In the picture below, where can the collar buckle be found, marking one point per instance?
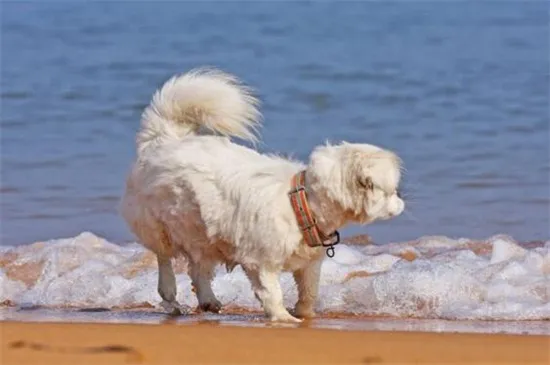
(334, 240)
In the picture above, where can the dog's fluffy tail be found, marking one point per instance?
(202, 99)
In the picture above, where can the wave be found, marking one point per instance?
(432, 277)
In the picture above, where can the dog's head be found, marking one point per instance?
(360, 182)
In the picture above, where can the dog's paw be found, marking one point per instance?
(213, 306)
(284, 317)
(304, 310)
(174, 308)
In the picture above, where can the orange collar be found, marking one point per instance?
(313, 237)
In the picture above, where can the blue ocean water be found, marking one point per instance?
(460, 90)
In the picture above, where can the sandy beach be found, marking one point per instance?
(104, 343)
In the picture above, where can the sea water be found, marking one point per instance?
(458, 89)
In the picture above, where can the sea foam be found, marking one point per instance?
(432, 277)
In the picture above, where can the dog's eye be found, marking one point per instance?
(366, 183)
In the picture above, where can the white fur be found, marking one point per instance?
(195, 193)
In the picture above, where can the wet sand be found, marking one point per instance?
(249, 340)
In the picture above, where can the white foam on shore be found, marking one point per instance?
(496, 279)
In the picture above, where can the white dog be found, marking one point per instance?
(195, 193)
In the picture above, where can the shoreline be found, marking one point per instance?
(109, 343)
(251, 318)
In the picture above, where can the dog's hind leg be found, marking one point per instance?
(167, 287)
(201, 275)
(267, 289)
(307, 280)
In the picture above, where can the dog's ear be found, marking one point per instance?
(365, 182)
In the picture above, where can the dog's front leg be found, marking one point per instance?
(307, 280)
(267, 289)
